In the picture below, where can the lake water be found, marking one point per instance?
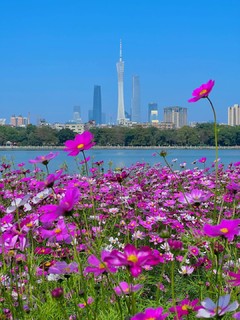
(123, 157)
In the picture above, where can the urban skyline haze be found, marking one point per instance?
(53, 53)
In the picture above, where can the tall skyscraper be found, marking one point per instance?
(76, 114)
(234, 115)
(97, 105)
(135, 105)
(176, 115)
(120, 71)
(153, 112)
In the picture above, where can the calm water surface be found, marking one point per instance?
(123, 157)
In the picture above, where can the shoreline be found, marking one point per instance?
(32, 148)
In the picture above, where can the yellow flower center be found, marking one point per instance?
(57, 230)
(126, 290)
(80, 146)
(224, 230)
(185, 307)
(150, 318)
(132, 258)
(203, 92)
(101, 266)
(30, 224)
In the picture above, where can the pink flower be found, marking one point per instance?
(81, 142)
(125, 288)
(236, 280)
(57, 293)
(184, 308)
(61, 267)
(44, 159)
(227, 229)
(98, 267)
(89, 301)
(203, 91)
(68, 201)
(135, 259)
(150, 313)
(202, 160)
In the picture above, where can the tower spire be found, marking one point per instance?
(120, 50)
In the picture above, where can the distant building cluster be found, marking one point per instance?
(173, 117)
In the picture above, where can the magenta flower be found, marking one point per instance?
(44, 159)
(185, 307)
(61, 233)
(84, 304)
(210, 309)
(236, 280)
(125, 288)
(81, 142)
(203, 91)
(61, 267)
(135, 259)
(98, 267)
(68, 201)
(202, 160)
(150, 313)
(196, 196)
(57, 293)
(227, 229)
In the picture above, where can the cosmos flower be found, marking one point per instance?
(125, 288)
(226, 228)
(210, 309)
(135, 259)
(44, 159)
(202, 92)
(150, 313)
(61, 267)
(89, 301)
(98, 267)
(236, 280)
(185, 307)
(81, 142)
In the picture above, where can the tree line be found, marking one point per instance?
(200, 135)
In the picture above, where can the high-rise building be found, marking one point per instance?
(19, 121)
(153, 112)
(97, 105)
(176, 115)
(77, 114)
(120, 71)
(234, 115)
(135, 105)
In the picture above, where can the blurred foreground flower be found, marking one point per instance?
(203, 91)
(81, 142)
(210, 309)
(150, 313)
(227, 229)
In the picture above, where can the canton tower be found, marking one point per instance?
(120, 70)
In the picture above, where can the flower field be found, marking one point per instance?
(138, 243)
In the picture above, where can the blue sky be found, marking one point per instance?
(53, 52)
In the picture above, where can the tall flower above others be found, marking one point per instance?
(202, 92)
(81, 142)
(151, 314)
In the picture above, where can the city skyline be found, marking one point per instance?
(47, 68)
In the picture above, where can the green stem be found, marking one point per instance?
(86, 165)
(215, 133)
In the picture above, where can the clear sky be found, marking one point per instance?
(53, 52)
